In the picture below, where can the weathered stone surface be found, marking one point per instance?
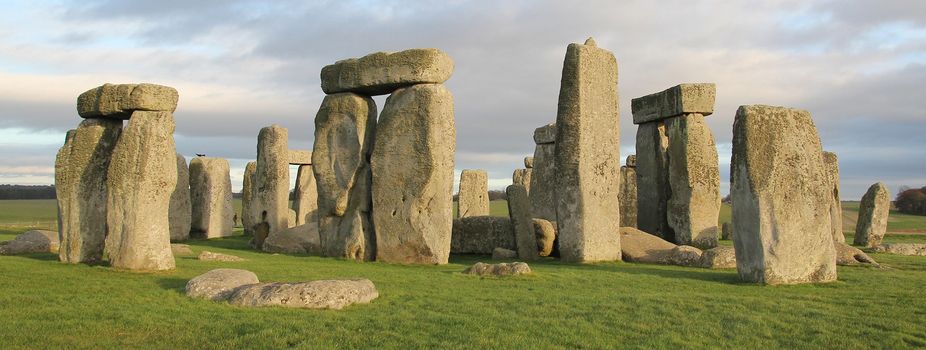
(911, 249)
(726, 231)
(848, 255)
(639, 246)
(685, 255)
(694, 181)
(219, 284)
(381, 73)
(545, 134)
(291, 219)
(872, 216)
(628, 196)
(588, 156)
(502, 253)
(345, 127)
(181, 210)
(118, 101)
(33, 241)
(211, 198)
(522, 222)
(832, 172)
(498, 270)
(302, 239)
(719, 258)
(211, 256)
(481, 234)
(180, 249)
(543, 182)
(631, 161)
(474, 193)
(80, 185)
(305, 199)
(653, 189)
(522, 177)
(270, 190)
(677, 100)
(545, 234)
(781, 198)
(142, 176)
(323, 294)
(299, 157)
(528, 162)
(412, 166)
(249, 217)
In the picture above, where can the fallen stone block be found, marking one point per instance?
(322, 294)
(498, 270)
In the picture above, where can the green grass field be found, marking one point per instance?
(46, 304)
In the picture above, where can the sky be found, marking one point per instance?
(858, 66)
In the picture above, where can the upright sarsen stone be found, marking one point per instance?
(543, 174)
(211, 198)
(522, 177)
(653, 189)
(181, 209)
(474, 193)
(305, 201)
(694, 180)
(832, 172)
(588, 156)
(412, 166)
(872, 216)
(628, 196)
(142, 175)
(81, 188)
(781, 213)
(270, 191)
(521, 222)
(345, 127)
(248, 216)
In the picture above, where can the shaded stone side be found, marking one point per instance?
(305, 196)
(628, 197)
(210, 194)
(382, 73)
(781, 214)
(653, 190)
(473, 199)
(181, 210)
(412, 195)
(522, 177)
(345, 127)
(481, 235)
(81, 189)
(248, 216)
(832, 172)
(270, 190)
(142, 175)
(872, 216)
(694, 179)
(588, 156)
(543, 182)
(521, 222)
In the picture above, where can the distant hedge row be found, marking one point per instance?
(27, 192)
(911, 201)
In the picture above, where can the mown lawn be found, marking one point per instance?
(46, 304)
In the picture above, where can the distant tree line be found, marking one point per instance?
(27, 192)
(911, 200)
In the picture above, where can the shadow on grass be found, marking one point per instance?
(230, 243)
(173, 283)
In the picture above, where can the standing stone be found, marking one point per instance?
(588, 156)
(872, 216)
(248, 217)
(142, 175)
(832, 172)
(726, 231)
(628, 196)
(653, 180)
(694, 181)
(522, 177)
(181, 209)
(270, 191)
(412, 166)
(543, 174)
(528, 162)
(521, 222)
(305, 201)
(382, 73)
(81, 186)
(481, 235)
(210, 194)
(474, 193)
(345, 127)
(781, 198)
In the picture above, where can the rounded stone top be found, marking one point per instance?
(591, 42)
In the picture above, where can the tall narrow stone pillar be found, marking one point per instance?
(270, 191)
(211, 198)
(832, 172)
(473, 199)
(248, 216)
(628, 194)
(181, 209)
(872, 216)
(588, 156)
(305, 203)
(543, 174)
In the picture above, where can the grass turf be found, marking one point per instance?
(47, 304)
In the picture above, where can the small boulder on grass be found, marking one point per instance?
(322, 294)
(502, 253)
(180, 249)
(34, 241)
(719, 258)
(502, 269)
(219, 284)
(210, 256)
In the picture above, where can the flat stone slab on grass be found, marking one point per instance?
(219, 284)
(847, 255)
(322, 294)
(34, 241)
(180, 249)
(501, 269)
(911, 249)
(210, 256)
